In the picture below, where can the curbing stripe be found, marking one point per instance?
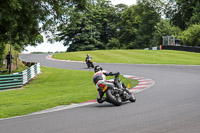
(134, 90)
(143, 83)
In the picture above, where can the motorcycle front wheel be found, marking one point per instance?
(113, 98)
(92, 65)
(88, 65)
(132, 98)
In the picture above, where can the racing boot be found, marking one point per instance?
(99, 100)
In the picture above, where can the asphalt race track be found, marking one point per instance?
(172, 105)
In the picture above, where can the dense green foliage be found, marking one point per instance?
(17, 65)
(185, 13)
(191, 36)
(98, 25)
(24, 20)
(164, 28)
(21, 18)
(104, 26)
(2, 54)
(90, 29)
(149, 17)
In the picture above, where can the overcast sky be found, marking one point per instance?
(47, 47)
(127, 2)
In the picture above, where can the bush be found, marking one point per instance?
(191, 36)
(2, 54)
(163, 28)
(17, 65)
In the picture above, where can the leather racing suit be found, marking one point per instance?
(100, 78)
(88, 57)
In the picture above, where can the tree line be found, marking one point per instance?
(97, 24)
(105, 26)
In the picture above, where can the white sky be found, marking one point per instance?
(58, 46)
(127, 2)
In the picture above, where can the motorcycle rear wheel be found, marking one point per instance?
(116, 100)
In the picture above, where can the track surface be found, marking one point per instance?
(172, 105)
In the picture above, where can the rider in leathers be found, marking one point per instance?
(99, 78)
(88, 57)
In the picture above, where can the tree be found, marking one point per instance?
(91, 29)
(164, 28)
(138, 23)
(117, 27)
(149, 16)
(191, 36)
(113, 43)
(22, 18)
(128, 27)
(186, 13)
(78, 34)
(104, 26)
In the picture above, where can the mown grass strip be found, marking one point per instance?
(52, 88)
(135, 56)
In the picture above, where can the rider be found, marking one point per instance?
(87, 58)
(99, 78)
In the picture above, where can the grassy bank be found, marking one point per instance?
(135, 56)
(52, 88)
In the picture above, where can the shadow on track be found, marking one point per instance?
(110, 105)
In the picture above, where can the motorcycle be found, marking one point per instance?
(117, 93)
(89, 63)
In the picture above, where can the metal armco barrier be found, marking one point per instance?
(11, 81)
(182, 48)
(30, 73)
(19, 79)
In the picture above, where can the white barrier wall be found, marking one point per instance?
(31, 72)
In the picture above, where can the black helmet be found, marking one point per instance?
(97, 68)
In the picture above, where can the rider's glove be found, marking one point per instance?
(118, 73)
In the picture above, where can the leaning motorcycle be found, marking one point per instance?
(89, 63)
(117, 93)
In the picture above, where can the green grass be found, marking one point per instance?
(52, 88)
(135, 56)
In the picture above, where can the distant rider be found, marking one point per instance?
(99, 78)
(88, 57)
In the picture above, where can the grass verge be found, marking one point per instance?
(135, 56)
(52, 88)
